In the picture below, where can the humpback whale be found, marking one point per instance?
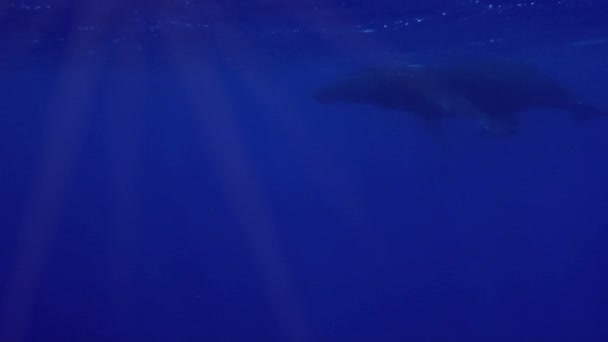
(490, 93)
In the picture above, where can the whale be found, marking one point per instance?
(493, 94)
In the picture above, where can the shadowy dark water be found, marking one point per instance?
(166, 175)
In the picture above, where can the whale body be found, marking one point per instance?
(491, 93)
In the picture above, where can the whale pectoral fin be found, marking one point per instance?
(459, 105)
(448, 103)
(490, 126)
(494, 125)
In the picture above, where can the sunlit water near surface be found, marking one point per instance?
(167, 175)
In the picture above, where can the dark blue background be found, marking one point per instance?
(165, 175)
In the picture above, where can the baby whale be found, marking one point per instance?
(491, 93)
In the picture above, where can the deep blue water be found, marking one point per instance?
(166, 175)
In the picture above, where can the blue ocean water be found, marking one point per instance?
(167, 175)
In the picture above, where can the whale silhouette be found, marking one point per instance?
(491, 93)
